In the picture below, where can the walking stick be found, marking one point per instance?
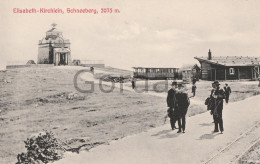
(165, 118)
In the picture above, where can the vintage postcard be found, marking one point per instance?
(130, 81)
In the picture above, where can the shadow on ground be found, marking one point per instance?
(206, 124)
(208, 136)
(162, 132)
(167, 134)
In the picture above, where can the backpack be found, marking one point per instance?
(207, 101)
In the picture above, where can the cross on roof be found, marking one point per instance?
(54, 24)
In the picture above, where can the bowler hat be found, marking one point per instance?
(180, 85)
(174, 83)
(216, 82)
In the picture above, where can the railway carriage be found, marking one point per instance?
(156, 73)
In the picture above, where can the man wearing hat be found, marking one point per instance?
(227, 92)
(133, 83)
(171, 103)
(217, 96)
(183, 103)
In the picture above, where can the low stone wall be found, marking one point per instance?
(93, 65)
(16, 66)
(29, 65)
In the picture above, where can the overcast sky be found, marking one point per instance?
(145, 33)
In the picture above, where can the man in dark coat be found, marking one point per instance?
(194, 80)
(92, 69)
(183, 103)
(171, 103)
(133, 83)
(193, 89)
(227, 92)
(217, 96)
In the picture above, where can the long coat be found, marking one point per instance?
(193, 88)
(183, 103)
(217, 96)
(227, 90)
(171, 99)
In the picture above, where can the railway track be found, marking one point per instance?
(234, 156)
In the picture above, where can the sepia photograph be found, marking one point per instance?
(130, 82)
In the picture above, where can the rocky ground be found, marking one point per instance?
(252, 156)
(33, 99)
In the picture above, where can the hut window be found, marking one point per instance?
(231, 71)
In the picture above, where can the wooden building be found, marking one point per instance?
(156, 73)
(229, 67)
(189, 72)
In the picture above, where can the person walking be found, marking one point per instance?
(217, 95)
(92, 69)
(193, 89)
(133, 83)
(183, 103)
(194, 80)
(227, 92)
(171, 103)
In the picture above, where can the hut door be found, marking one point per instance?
(256, 71)
(213, 74)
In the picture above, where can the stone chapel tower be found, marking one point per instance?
(54, 48)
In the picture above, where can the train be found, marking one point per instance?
(156, 73)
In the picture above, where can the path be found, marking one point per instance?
(127, 86)
(124, 86)
(197, 145)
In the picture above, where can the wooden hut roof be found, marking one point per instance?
(231, 60)
(189, 67)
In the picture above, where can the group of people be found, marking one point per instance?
(178, 103)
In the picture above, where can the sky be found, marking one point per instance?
(149, 33)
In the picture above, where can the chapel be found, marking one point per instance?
(54, 48)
